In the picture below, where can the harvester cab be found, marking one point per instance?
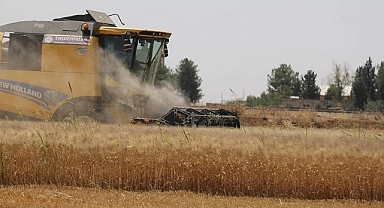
(77, 65)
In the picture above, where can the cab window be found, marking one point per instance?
(22, 51)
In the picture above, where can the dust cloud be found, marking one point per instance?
(160, 99)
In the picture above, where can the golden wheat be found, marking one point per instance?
(251, 161)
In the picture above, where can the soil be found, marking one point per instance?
(314, 120)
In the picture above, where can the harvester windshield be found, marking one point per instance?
(140, 54)
(147, 59)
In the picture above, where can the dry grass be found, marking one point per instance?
(262, 162)
(51, 196)
(268, 116)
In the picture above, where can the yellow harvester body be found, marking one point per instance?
(77, 66)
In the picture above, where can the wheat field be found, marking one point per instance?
(299, 163)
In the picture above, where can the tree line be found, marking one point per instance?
(366, 86)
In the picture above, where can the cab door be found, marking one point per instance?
(4, 46)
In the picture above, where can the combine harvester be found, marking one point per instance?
(78, 66)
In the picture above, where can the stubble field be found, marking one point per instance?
(72, 164)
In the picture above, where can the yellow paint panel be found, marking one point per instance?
(71, 58)
(82, 84)
(64, 58)
(24, 108)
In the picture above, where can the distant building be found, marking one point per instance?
(346, 92)
(299, 103)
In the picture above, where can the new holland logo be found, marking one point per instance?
(39, 95)
(51, 97)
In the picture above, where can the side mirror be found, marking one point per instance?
(165, 50)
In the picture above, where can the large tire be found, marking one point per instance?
(76, 108)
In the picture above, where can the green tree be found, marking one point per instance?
(364, 85)
(331, 93)
(309, 89)
(165, 76)
(269, 99)
(284, 81)
(380, 81)
(340, 78)
(188, 80)
(377, 105)
(359, 89)
(251, 101)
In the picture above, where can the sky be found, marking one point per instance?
(236, 44)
